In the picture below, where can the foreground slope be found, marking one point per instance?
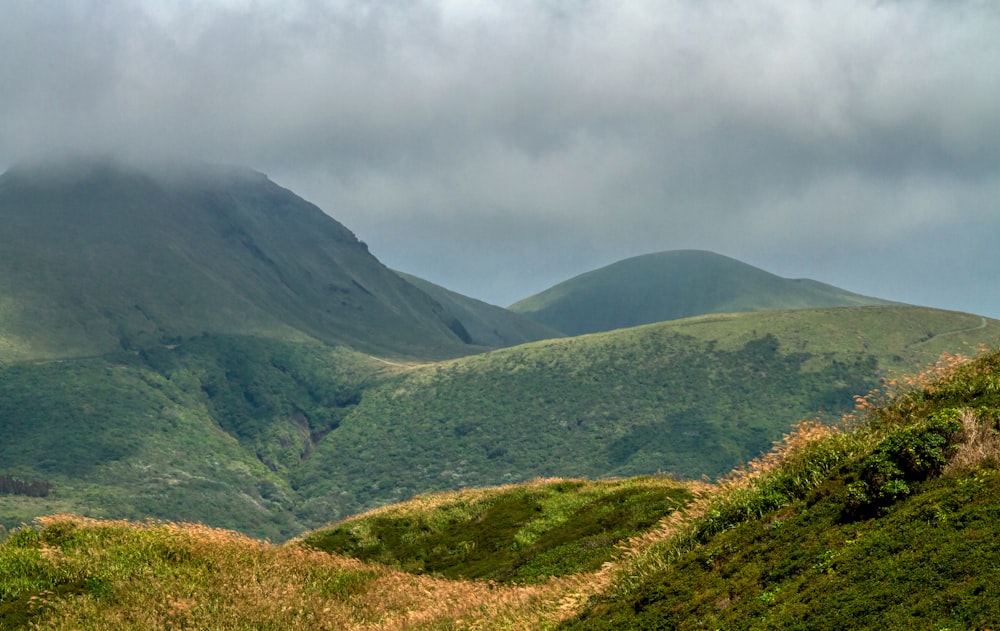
(691, 397)
(524, 533)
(98, 256)
(889, 522)
(671, 285)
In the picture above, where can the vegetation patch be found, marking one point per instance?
(73, 573)
(10, 485)
(519, 534)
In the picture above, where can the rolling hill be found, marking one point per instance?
(98, 256)
(672, 285)
(691, 397)
(885, 521)
(270, 437)
(196, 343)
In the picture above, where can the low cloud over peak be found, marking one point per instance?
(499, 147)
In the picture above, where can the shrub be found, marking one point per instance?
(909, 455)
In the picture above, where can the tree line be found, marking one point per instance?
(13, 486)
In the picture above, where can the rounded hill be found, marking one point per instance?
(673, 285)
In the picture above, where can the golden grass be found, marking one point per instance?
(978, 444)
(188, 576)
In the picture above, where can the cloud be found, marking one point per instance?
(498, 146)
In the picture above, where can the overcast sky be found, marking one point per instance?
(499, 147)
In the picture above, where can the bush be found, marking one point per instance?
(910, 455)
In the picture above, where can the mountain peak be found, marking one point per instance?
(671, 285)
(99, 254)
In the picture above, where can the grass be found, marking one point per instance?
(787, 543)
(75, 573)
(775, 545)
(516, 534)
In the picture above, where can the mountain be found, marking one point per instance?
(672, 285)
(194, 342)
(98, 256)
(887, 520)
(487, 325)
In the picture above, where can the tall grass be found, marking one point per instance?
(76, 573)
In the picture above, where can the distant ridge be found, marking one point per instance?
(97, 256)
(672, 285)
(487, 325)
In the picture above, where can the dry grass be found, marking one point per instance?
(978, 444)
(187, 576)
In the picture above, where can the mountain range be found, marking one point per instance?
(194, 342)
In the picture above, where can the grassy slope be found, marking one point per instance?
(791, 545)
(269, 436)
(204, 431)
(515, 534)
(486, 324)
(690, 397)
(893, 525)
(672, 285)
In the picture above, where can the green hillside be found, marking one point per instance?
(97, 256)
(887, 520)
(691, 397)
(891, 524)
(271, 437)
(487, 325)
(207, 430)
(522, 533)
(673, 285)
(201, 344)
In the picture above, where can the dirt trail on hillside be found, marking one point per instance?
(982, 325)
(397, 364)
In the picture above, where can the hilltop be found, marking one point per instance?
(886, 520)
(673, 285)
(98, 256)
